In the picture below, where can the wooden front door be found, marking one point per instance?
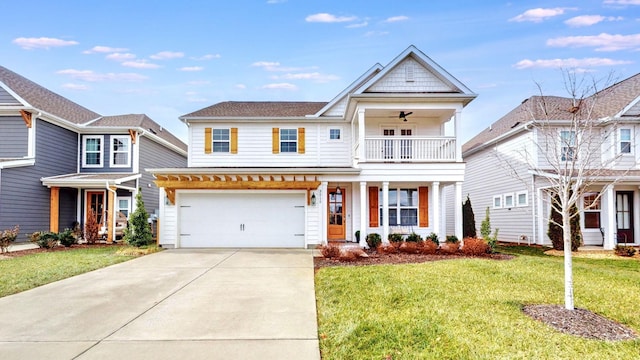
(336, 226)
(624, 216)
(95, 202)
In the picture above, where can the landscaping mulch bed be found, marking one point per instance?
(374, 258)
(19, 253)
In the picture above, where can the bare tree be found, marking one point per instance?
(572, 149)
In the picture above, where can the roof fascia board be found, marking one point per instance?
(161, 141)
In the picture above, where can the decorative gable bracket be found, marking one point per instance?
(26, 116)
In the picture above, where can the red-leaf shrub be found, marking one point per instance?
(330, 251)
(408, 247)
(475, 247)
(450, 248)
(386, 249)
(427, 247)
(348, 255)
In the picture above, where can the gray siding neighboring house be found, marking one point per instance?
(13, 137)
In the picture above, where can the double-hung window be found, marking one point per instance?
(591, 208)
(221, 140)
(92, 151)
(288, 140)
(120, 151)
(625, 141)
(567, 145)
(403, 207)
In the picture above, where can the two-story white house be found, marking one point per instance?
(514, 186)
(375, 159)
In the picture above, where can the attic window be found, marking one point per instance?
(409, 73)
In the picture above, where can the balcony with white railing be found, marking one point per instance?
(409, 149)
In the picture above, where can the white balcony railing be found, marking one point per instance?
(410, 149)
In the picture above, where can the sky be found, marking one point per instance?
(170, 58)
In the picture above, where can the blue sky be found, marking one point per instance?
(169, 58)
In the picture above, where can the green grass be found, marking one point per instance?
(471, 308)
(30, 271)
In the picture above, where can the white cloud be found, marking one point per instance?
(191, 93)
(329, 18)
(358, 25)
(622, 2)
(588, 20)
(120, 56)
(42, 43)
(315, 76)
(375, 33)
(140, 64)
(104, 49)
(240, 86)
(601, 42)
(539, 14)
(164, 55)
(75, 86)
(207, 57)
(397, 19)
(569, 63)
(280, 86)
(92, 76)
(191, 68)
(275, 66)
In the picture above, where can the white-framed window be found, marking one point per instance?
(403, 207)
(522, 198)
(288, 140)
(591, 208)
(497, 201)
(221, 140)
(92, 150)
(123, 205)
(625, 141)
(335, 134)
(568, 145)
(120, 151)
(508, 200)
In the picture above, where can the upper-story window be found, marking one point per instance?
(568, 145)
(221, 140)
(335, 134)
(120, 151)
(625, 141)
(289, 140)
(92, 151)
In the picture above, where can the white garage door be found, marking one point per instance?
(242, 220)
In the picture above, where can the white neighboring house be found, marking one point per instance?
(514, 193)
(375, 159)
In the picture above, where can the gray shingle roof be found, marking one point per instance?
(258, 109)
(607, 102)
(45, 99)
(142, 121)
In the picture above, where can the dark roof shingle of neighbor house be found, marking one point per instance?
(45, 99)
(258, 109)
(141, 121)
(607, 102)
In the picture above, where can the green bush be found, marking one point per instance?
(627, 251)
(44, 239)
(138, 232)
(395, 238)
(358, 235)
(373, 240)
(433, 237)
(452, 239)
(413, 237)
(555, 227)
(67, 238)
(468, 219)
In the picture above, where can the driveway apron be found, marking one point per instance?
(189, 304)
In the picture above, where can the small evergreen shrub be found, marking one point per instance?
(427, 247)
(413, 237)
(358, 235)
(452, 239)
(468, 219)
(45, 239)
(138, 231)
(433, 237)
(395, 238)
(555, 232)
(330, 251)
(66, 238)
(373, 240)
(7, 237)
(627, 251)
(408, 247)
(475, 247)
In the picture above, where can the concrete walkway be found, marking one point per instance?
(176, 304)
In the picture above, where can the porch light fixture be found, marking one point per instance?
(313, 199)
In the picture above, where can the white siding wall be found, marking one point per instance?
(338, 108)
(500, 171)
(255, 148)
(169, 222)
(313, 231)
(423, 80)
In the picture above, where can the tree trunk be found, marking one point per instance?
(568, 266)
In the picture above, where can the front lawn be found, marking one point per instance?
(471, 308)
(26, 272)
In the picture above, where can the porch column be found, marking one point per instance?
(610, 221)
(363, 214)
(540, 216)
(436, 208)
(361, 146)
(54, 209)
(322, 204)
(457, 126)
(385, 212)
(110, 213)
(458, 210)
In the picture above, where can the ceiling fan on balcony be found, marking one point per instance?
(403, 115)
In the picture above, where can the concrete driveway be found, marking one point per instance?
(176, 304)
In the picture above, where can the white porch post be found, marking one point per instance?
(323, 212)
(458, 210)
(361, 128)
(541, 214)
(435, 187)
(457, 126)
(385, 212)
(610, 230)
(363, 214)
